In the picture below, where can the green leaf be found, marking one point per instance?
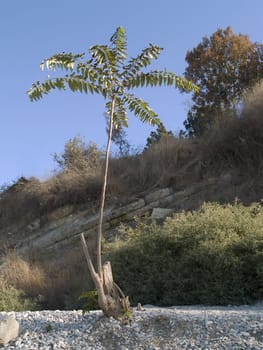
(142, 60)
(119, 45)
(62, 61)
(105, 74)
(141, 109)
(160, 78)
(120, 117)
(101, 54)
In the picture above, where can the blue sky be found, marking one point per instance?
(32, 30)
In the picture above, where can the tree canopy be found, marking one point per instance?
(79, 156)
(222, 66)
(108, 73)
(155, 136)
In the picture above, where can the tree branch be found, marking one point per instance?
(93, 273)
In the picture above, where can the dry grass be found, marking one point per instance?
(238, 143)
(23, 275)
(56, 286)
(235, 144)
(158, 166)
(32, 198)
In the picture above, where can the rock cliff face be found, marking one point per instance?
(63, 227)
(60, 230)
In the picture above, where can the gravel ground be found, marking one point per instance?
(195, 328)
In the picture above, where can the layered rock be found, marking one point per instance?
(61, 228)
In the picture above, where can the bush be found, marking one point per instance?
(210, 256)
(12, 299)
(78, 156)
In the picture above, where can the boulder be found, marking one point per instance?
(161, 213)
(9, 329)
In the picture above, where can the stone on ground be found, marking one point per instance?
(9, 329)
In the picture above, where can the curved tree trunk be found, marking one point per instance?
(111, 299)
(104, 187)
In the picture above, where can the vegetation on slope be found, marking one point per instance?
(212, 255)
(235, 146)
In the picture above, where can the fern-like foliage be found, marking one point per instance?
(61, 61)
(141, 109)
(119, 45)
(142, 60)
(108, 74)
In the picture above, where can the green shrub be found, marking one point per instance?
(79, 156)
(89, 301)
(213, 255)
(12, 299)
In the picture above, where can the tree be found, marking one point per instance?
(108, 74)
(222, 66)
(155, 136)
(78, 156)
(119, 137)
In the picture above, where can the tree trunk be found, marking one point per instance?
(104, 187)
(111, 299)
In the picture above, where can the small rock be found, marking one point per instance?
(9, 329)
(139, 307)
(245, 334)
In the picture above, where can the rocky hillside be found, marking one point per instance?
(49, 235)
(173, 174)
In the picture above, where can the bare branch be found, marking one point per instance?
(93, 273)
